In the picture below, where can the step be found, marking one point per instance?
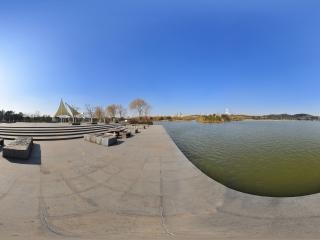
(51, 130)
(69, 126)
(55, 129)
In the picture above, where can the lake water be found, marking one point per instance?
(269, 158)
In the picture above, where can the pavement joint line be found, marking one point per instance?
(43, 216)
(9, 189)
(163, 222)
(43, 213)
(77, 193)
(135, 180)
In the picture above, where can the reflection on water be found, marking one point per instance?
(269, 158)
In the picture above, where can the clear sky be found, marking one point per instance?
(195, 56)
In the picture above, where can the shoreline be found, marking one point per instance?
(244, 120)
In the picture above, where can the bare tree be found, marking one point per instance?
(111, 110)
(37, 113)
(90, 111)
(98, 113)
(146, 110)
(139, 105)
(121, 111)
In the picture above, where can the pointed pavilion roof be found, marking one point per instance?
(73, 111)
(62, 110)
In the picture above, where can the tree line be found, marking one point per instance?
(97, 113)
(11, 116)
(117, 111)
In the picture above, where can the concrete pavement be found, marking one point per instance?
(143, 188)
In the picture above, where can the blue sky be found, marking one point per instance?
(198, 56)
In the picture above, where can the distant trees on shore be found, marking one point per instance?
(220, 118)
(90, 111)
(11, 116)
(174, 118)
(140, 106)
(116, 112)
(99, 113)
(214, 118)
(121, 111)
(113, 112)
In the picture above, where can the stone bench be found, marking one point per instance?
(21, 148)
(117, 131)
(105, 139)
(125, 134)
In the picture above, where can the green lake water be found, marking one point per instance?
(268, 158)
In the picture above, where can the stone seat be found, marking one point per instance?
(125, 134)
(105, 139)
(117, 131)
(21, 148)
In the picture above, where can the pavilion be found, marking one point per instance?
(65, 111)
